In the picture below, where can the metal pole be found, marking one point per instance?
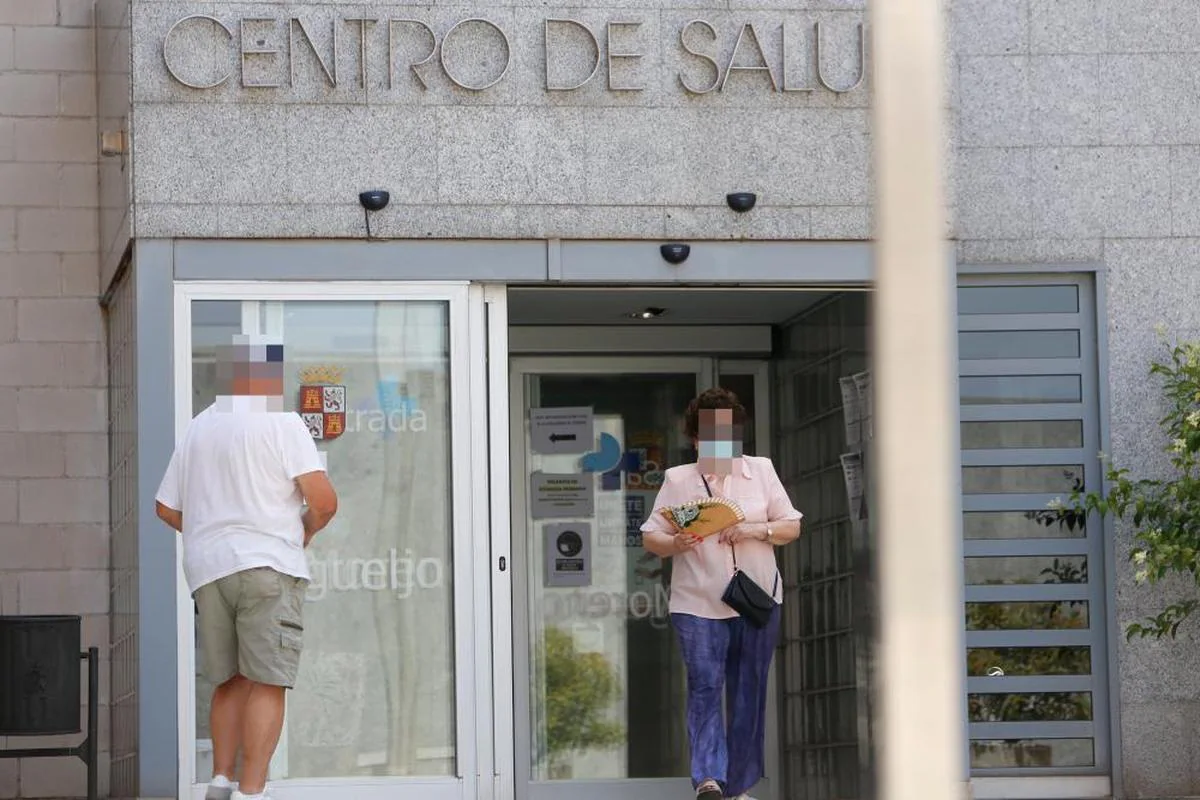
(916, 412)
(93, 723)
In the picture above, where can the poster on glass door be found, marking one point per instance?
(557, 431)
(561, 495)
(568, 548)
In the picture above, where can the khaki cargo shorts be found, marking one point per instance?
(251, 623)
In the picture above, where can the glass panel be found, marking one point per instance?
(607, 691)
(743, 387)
(1040, 524)
(1012, 570)
(214, 324)
(1037, 707)
(379, 624)
(1018, 299)
(1033, 433)
(1024, 479)
(986, 390)
(1017, 344)
(1010, 753)
(1018, 661)
(1033, 616)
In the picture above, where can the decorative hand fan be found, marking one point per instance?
(704, 517)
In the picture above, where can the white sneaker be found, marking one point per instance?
(219, 792)
(239, 796)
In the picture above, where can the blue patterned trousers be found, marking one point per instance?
(732, 655)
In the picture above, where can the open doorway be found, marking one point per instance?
(634, 357)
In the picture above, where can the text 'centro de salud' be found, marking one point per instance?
(204, 52)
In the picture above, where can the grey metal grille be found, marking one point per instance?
(825, 717)
(1035, 590)
(123, 500)
(1035, 600)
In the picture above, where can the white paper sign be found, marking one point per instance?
(851, 411)
(555, 431)
(568, 547)
(852, 472)
(558, 496)
(862, 382)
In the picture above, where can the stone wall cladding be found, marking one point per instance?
(1078, 143)
(513, 161)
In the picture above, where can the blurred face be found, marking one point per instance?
(719, 442)
(250, 369)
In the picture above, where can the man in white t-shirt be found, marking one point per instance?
(237, 488)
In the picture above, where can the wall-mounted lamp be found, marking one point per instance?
(112, 143)
(675, 252)
(741, 202)
(372, 200)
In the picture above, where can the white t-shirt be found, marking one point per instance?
(233, 478)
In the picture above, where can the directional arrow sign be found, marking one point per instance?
(557, 431)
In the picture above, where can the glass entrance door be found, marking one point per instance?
(392, 694)
(600, 688)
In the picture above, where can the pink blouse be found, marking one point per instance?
(699, 576)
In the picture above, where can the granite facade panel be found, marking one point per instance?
(620, 159)
(1108, 136)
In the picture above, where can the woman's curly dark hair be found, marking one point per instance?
(710, 399)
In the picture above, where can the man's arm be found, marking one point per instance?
(171, 516)
(321, 500)
(168, 500)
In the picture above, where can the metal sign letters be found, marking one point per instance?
(475, 54)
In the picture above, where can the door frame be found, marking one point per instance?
(760, 369)
(707, 370)
(475, 718)
(519, 368)
(492, 478)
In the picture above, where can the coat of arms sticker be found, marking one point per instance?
(323, 402)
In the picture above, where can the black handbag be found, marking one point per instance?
(747, 598)
(743, 594)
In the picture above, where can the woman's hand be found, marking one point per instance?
(685, 541)
(744, 531)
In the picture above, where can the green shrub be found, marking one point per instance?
(1165, 513)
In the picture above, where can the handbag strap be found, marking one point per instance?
(775, 586)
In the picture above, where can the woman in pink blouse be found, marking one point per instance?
(721, 650)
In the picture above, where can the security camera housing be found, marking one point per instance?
(374, 200)
(741, 202)
(675, 253)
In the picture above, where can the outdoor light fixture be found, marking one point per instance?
(372, 200)
(741, 202)
(650, 312)
(113, 143)
(675, 252)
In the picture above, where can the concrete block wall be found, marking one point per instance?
(112, 109)
(54, 551)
